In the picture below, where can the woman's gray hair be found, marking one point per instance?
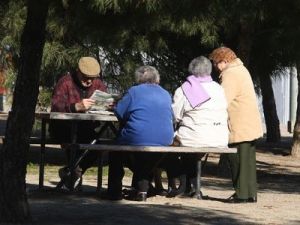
(147, 74)
(200, 66)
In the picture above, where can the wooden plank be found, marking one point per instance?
(37, 140)
(82, 116)
(42, 115)
(171, 149)
(75, 116)
(3, 116)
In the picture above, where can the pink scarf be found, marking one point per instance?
(194, 91)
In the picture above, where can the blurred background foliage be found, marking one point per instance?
(124, 34)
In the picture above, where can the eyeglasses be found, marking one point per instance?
(84, 78)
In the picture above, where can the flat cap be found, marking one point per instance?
(89, 66)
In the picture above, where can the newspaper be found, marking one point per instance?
(102, 101)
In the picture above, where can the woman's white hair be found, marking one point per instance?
(200, 66)
(147, 74)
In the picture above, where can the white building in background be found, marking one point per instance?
(285, 89)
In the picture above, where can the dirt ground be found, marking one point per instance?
(278, 198)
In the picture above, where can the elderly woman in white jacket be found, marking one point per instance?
(200, 110)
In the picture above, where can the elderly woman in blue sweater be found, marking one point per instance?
(145, 113)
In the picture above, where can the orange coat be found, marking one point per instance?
(244, 117)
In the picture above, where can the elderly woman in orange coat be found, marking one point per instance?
(244, 122)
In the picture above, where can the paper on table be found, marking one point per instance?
(102, 99)
(102, 112)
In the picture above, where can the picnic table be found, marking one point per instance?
(109, 121)
(45, 117)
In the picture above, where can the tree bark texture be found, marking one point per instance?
(13, 155)
(269, 107)
(295, 151)
(245, 40)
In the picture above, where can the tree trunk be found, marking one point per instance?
(269, 106)
(295, 152)
(245, 40)
(13, 155)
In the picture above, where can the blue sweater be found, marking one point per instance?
(146, 114)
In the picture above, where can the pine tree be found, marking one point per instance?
(13, 200)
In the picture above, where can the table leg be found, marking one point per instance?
(113, 128)
(198, 194)
(42, 155)
(100, 155)
(73, 152)
(100, 173)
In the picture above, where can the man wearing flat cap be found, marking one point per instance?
(72, 95)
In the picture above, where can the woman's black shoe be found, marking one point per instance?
(252, 200)
(234, 199)
(160, 192)
(154, 191)
(139, 197)
(129, 192)
(175, 192)
(180, 191)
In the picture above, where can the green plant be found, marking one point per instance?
(10, 79)
(44, 99)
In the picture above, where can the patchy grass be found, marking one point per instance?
(33, 169)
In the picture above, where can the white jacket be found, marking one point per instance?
(205, 125)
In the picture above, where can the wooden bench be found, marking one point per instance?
(158, 149)
(42, 144)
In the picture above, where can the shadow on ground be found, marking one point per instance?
(84, 209)
(279, 148)
(271, 175)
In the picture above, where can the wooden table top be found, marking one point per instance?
(76, 116)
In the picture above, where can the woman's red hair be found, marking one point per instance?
(222, 54)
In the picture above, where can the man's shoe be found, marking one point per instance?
(67, 183)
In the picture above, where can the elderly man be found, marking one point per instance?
(71, 95)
